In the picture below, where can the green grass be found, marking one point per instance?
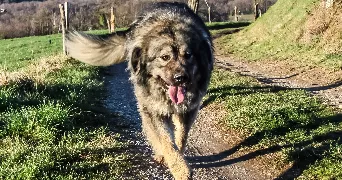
(283, 32)
(19, 52)
(275, 119)
(49, 129)
(218, 29)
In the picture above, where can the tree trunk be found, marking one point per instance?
(193, 4)
(256, 11)
(236, 18)
(61, 8)
(112, 20)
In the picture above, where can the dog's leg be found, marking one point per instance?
(158, 133)
(183, 123)
(180, 132)
(152, 137)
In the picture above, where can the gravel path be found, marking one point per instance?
(121, 100)
(318, 81)
(210, 152)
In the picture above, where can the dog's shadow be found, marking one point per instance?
(303, 155)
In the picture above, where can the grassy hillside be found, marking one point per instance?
(301, 31)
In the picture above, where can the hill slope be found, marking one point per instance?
(302, 31)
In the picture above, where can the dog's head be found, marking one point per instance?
(175, 57)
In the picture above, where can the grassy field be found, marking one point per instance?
(291, 30)
(273, 119)
(18, 52)
(48, 125)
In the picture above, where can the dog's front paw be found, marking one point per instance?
(183, 172)
(185, 176)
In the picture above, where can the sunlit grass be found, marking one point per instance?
(47, 129)
(293, 122)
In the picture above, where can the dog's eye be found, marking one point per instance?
(187, 55)
(166, 57)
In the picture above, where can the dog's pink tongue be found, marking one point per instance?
(176, 94)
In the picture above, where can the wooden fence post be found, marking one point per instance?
(236, 18)
(209, 11)
(61, 9)
(112, 20)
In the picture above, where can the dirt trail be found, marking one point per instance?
(211, 154)
(325, 83)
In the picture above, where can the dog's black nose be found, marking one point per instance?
(180, 78)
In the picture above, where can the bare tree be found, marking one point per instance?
(209, 13)
(193, 4)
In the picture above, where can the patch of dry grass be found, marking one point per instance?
(34, 73)
(303, 32)
(325, 23)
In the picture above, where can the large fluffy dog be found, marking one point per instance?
(170, 58)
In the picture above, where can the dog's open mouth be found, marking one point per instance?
(176, 93)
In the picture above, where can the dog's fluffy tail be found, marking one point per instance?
(96, 50)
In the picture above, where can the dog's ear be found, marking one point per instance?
(136, 59)
(204, 58)
(206, 54)
(138, 66)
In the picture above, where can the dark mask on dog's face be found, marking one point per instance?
(173, 65)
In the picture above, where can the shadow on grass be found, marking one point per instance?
(304, 153)
(221, 92)
(226, 66)
(28, 96)
(218, 26)
(303, 156)
(225, 32)
(88, 114)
